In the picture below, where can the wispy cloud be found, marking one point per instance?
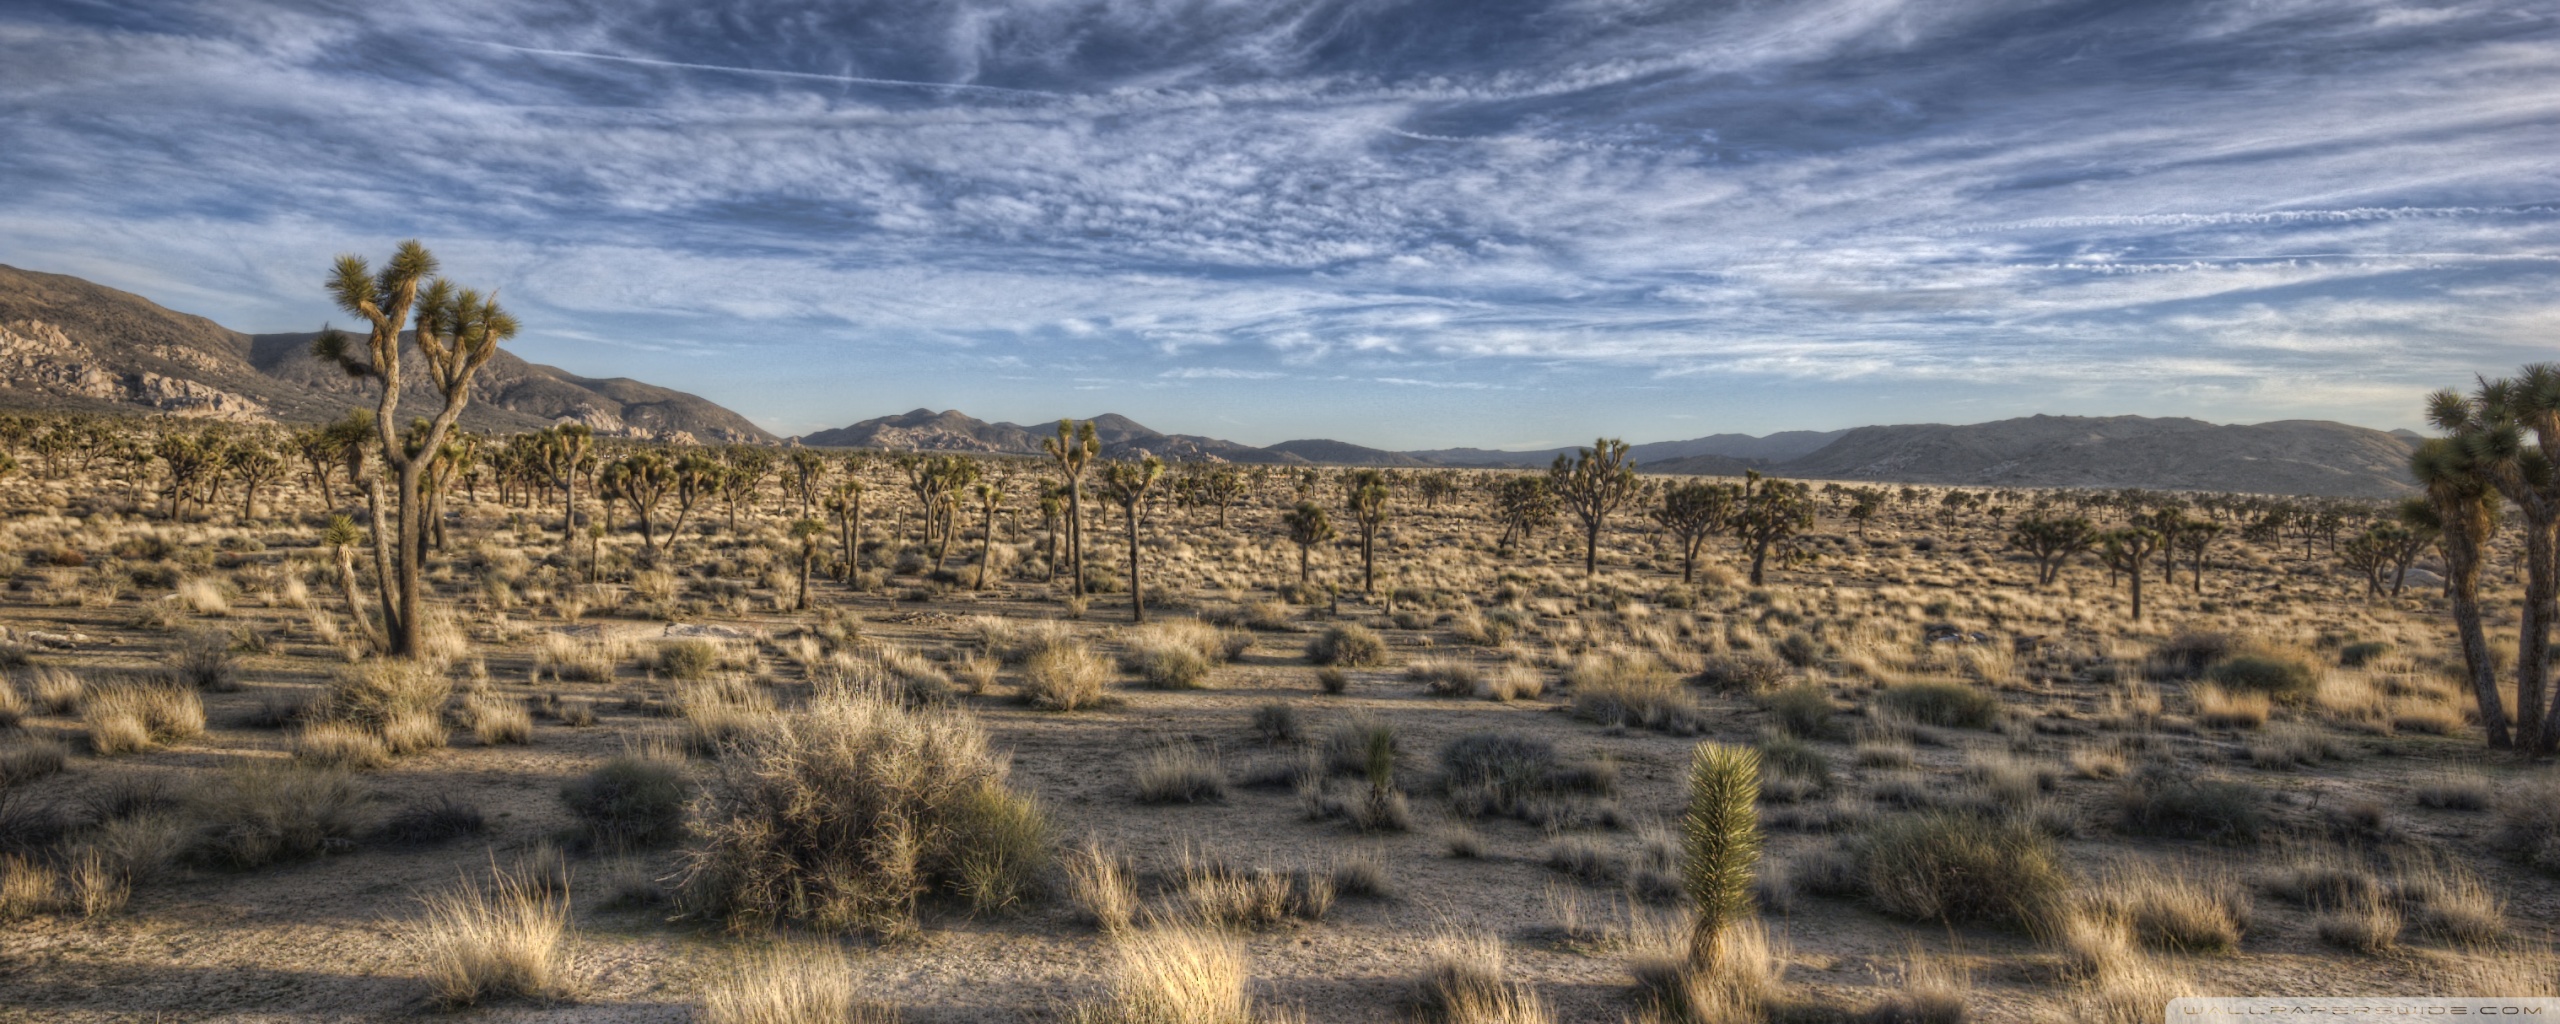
(1767, 210)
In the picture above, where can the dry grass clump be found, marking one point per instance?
(1180, 773)
(2225, 709)
(2192, 910)
(2364, 926)
(2119, 983)
(1064, 677)
(635, 798)
(1946, 866)
(1802, 710)
(55, 689)
(1633, 691)
(1741, 673)
(501, 942)
(850, 810)
(1464, 983)
(1176, 975)
(2292, 744)
(2169, 800)
(2458, 789)
(261, 813)
(2446, 902)
(25, 759)
(572, 660)
(2280, 676)
(790, 983)
(1513, 682)
(1516, 774)
(1347, 644)
(343, 745)
(134, 717)
(1098, 883)
(204, 661)
(1743, 982)
(721, 712)
(2529, 821)
(1220, 894)
(1945, 702)
(1445, 677)
(1926, 990)
(495, 719)
(28, 888)
(401, 701)
(1179, 654)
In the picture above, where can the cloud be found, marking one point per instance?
(1969, 196)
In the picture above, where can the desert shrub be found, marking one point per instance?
(1741, 673)
(2225, 709)
(1513, 682)
(2455, 791)
(2161, 800)
(790, 983)
(1799, 649)
(2278, 676)
(2356, 655)
(1277, 722)
(2529, 821)
(55, 689)
(720, 712)
(1347, 643)
(1219, 894)
(1514, 774)
(2287, 744)
(495, 719)
(569, 659)
(1333, 680)
(1633, 691)
(1445, 677)
(24, 759)
(2188, 654)
(259, 814)
(632, 799)
(133, 717)
(1064, 677)
(1170, 667)
(1180, 773)
(1175, 975)
(687, 660)
(1099, 886)
(13, 705)
(386, 696)
(327, 744)
(204, 661)
(2187, 911)
(1350, 746)
(1792, 770)
(851, 809)
(504, 941)
(1952, 867)
(1803, 710)
(1463, 983)
(1942, 702)
(430, 820)
(2368, 926)
(28, 888)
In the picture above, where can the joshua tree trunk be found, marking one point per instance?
(1137, 597)
(1302, 563)
(808, 557)
(2136, 576)
(355, 605)
(1591, 548)
(2476, 664)
(1075, 533)
(986, 547)
(2533, 640)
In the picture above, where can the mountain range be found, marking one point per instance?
(71, 345)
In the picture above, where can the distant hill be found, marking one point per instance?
(1746, 448)
(73, 345)
(1344, 453)
(1703, 465)
(954, 431)
(2308, 457)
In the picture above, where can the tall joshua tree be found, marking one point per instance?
(1771, 512)
(844, 502)
(1308, 527)
(2127, 550)
(1073, 449)
(1365, 494)
(1127, 484)
(2462, 506)
(2510, 431)
(1592, 484)
(2052, 542)
(457, 331)
(1694, 512)
(808, 533)
(989, 496)
(341, 537)
(1720, 844)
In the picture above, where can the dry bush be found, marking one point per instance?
(2446, 902)
(1180, 773)
(2529, 820)
(1739, 986)
(1803, 710)
(1634, 691)
(55, 689)
(2192, 910)
(569, 659)
(1219, 894)
(1347, 644)
(28, 888)
(2225, 709)
(496, 719)
(1507, 773)
(1099, 886)
(25, 759)
(505, 941)
(635, 798)
(2510, 973)
(2279, 675)
(203, 596)
(1926, 991)
(1946, 702)
(2169, 800)
(1175, 975)
(848, 811)
(2119, 984)
(401, 701)
(134, 717)
(1445, 677)
(1463, 983)
(721, 712)
(204, 661)
(257, 814)
(1514, 682)
(2456, 789)
(331, 744)
(2363, 926)
(790, 983)
(1179, 654)
(2289, 744)
(1741, 673)
(1064, 677)
(1952, 867)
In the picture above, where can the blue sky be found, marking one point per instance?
(1407, 224)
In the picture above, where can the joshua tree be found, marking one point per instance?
(1864, 509)
(989, 496)
(568, 450)
(645, 479)
(2371, 553)
(1524, 504)
(1772, 511)
(1073, 449)
(1308, 527)
(2491, 427)
(1592, 484)
(748, 466)
(844, 502)
(2463, 508)
(2125, 551)
(808, 532)
(1222, 488)
(1127, 484)
(457, 331)
(808, 473)
(1694, 512)
(1720, 843)
(341, 537)
(697, 476)
(2194, 538)
(1053, 510)
(1365, 494)
(2052, 542)
(256, 467)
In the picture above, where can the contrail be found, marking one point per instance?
(807, 75)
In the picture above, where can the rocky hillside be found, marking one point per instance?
(69, 344)
(1344, 453)
(954, 431)
(2309, 457)
(1658, 456)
